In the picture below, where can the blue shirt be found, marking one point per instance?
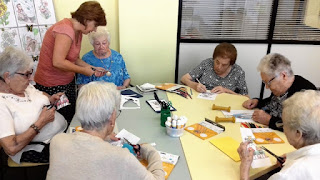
(114, 63)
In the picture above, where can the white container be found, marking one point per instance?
(174, 132)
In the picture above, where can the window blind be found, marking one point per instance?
(225, 19)
(298, 20)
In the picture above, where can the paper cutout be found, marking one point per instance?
(228, 146)
(204, 130)
(125, 99)
(133, 139)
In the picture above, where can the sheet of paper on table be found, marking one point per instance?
(240, 115)
(133, 139)
(207, 95)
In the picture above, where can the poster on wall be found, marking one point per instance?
(24, 12)
(9, 37)
(43, 30)
(45, 12)
(30, 40)
(7, 18)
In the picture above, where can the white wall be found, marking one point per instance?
(148, 35)
(249, 55)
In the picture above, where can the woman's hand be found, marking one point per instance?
(250, 104)
(55, 97)
(99, 71)
(121, 87)
(201, 88)
(46, 116)
(246, 156)
(219, 90)
(261, 117)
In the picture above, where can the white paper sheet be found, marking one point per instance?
(133, 139)
(207, 95)
(240, 115)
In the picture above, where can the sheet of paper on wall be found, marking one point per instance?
(133, 139)
(240, 115)
(207, 95)
(128, 102)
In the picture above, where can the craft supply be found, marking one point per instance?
(191, 91)
(214, 107)
(266, 136)
(228, 146)
(156, 106)
(216, 124)
(204, 130)
(228, 119)
(281, 160)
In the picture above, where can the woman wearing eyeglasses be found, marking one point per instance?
(276, 73)
(26, 125)
(93, 157)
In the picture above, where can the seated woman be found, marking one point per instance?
(91, 156)
(26, 125)
(277, 75)
(109, 59)
(301, 124)
(219, 74)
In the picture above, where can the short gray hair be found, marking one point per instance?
(100, 32)
(274, 64)
(302, 112)
(96, 103)
(13, 60)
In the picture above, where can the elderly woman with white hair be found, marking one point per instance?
(26, 124)
(109, 59)
(86, 154)
(277, 75)
(301, 124)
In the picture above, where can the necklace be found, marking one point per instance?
(108, 73)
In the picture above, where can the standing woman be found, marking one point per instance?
(59, 56)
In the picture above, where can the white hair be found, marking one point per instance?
(96, 103)
(302, 112)
(274, 64)
(100, 32)
(13, 60)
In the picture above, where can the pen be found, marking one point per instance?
(280, 159)
(198, 80)
(191, 91)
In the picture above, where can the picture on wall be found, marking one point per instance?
(24, 12)
(9, 37)
(30, 40)
(45, 12)
(7, 18)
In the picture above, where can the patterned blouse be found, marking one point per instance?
(114, 63)
(234, 81)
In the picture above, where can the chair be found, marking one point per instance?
(24, 171)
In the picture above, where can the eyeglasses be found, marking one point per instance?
(28, 74)
(118, 113)
(269, 82)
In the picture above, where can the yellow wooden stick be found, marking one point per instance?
(214, 107)
(229, 119)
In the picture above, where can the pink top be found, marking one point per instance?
(46, 74)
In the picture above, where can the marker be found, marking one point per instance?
(191, 91)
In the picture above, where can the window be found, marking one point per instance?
(298, 20)
(225, 19)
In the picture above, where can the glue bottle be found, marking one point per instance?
(174, 124)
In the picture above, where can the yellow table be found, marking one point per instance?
(204, 160)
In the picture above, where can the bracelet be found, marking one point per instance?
(36, 128)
